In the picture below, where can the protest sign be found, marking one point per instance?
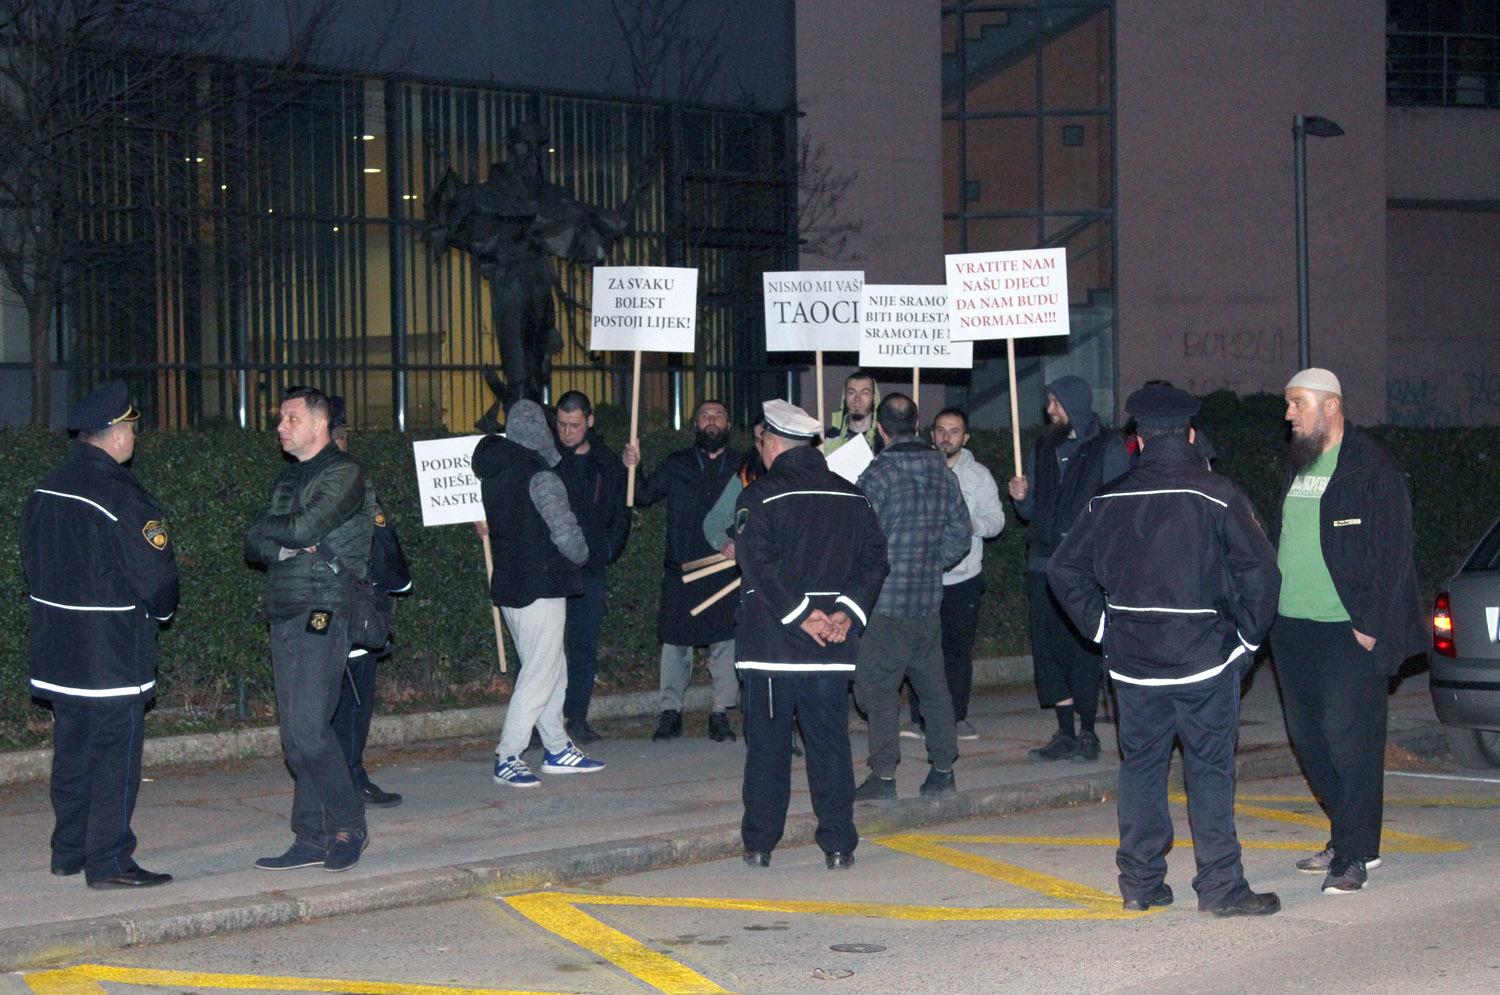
(449, 494)
(1008, 295)
(815, 312)
(643, 308)
(907, 325)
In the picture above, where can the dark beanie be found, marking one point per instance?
(1076, 397)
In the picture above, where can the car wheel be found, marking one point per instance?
(1477, 749)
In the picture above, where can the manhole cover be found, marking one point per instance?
(857, 948)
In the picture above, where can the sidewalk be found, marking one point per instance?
(457, 834)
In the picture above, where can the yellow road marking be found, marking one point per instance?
(1419, 801)
(933, 848)
(84, 980)
(557, 913)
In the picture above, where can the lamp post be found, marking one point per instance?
(1302, 126)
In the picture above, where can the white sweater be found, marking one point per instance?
(986, 514)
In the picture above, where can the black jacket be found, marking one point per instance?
(528, 563)
(1366, 532)
(102, 577)
(596, 491)
(1064, 475)
(691, 483)
(1169, 569)
(806, 539)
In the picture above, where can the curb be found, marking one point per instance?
(417, 727)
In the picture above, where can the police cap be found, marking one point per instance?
(1162, 406)
(106, 405)
(790, 421)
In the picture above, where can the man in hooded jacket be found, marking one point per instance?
(1072, 459)
(538, 550)
(857, 416)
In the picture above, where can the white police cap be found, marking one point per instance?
(790, 421)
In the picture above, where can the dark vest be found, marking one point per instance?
(1061, 495)
(527, 564)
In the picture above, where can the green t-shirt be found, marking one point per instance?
(1307, 589)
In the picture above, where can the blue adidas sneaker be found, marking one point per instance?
(513, 771)
(569, 760)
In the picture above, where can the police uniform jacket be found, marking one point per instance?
(324, 502)
(1169, 569)
(806, 540)
(102, 577)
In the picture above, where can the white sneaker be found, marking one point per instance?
(966, 730)
(912, 731)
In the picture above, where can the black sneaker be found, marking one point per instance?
(1345, 876)
(1087, 749)
(939, 784)
(668, 727)
(876, 789)
(579, 731)
(1162, 896)
(371, 795)
(1060, 747)
(345, 851)
(757, 858)
(300, 854)
(838, 861)
(1319, 862)
(1248, 904)
(719, 729)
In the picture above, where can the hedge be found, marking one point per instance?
(213, 481)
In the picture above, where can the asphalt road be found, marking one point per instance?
(1025, 903)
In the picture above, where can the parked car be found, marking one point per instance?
(1466, 656)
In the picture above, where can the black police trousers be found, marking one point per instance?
(1205, 716)
(96, 773)
(820, 702)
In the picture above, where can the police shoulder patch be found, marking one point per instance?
(741, 519)
(156, 534)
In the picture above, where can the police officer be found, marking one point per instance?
(389, 575)
(1169, 568)
(103, 578)
(812, 560)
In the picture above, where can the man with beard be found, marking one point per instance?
(1348, 615)
(1072, 459)
(857, 417)
(596, 491)
(691, 480)
(963, 585)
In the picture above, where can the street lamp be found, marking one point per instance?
(1302, 126)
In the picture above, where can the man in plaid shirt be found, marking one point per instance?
(926, 524)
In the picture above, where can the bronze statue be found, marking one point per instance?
(515, 224)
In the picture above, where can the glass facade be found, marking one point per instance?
(1028, 143)
(283, 243)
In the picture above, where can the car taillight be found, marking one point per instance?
(1442, 626)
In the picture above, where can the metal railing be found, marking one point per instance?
(1444, 69)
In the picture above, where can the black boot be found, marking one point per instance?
(669, 727)
(719, 729)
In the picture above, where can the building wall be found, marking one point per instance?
(869, 82)
(1207, 267)
(1442, 267)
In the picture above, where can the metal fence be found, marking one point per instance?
(286, 245)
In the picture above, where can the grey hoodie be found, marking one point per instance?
(526, 425)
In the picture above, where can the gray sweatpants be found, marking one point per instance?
(542, 680)
(677, 673)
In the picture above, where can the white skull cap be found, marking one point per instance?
(1316, 378)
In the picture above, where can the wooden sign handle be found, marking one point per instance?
(489, 571)
(818, 373)
(713, 568)
(1015, 407)
(715, 598)
(635, 425)
(916, 386)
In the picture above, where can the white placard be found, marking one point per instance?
(644, 308)
(850, 459)
(906, 325)
(811, 311)
(1008, 295)
(446, 485)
